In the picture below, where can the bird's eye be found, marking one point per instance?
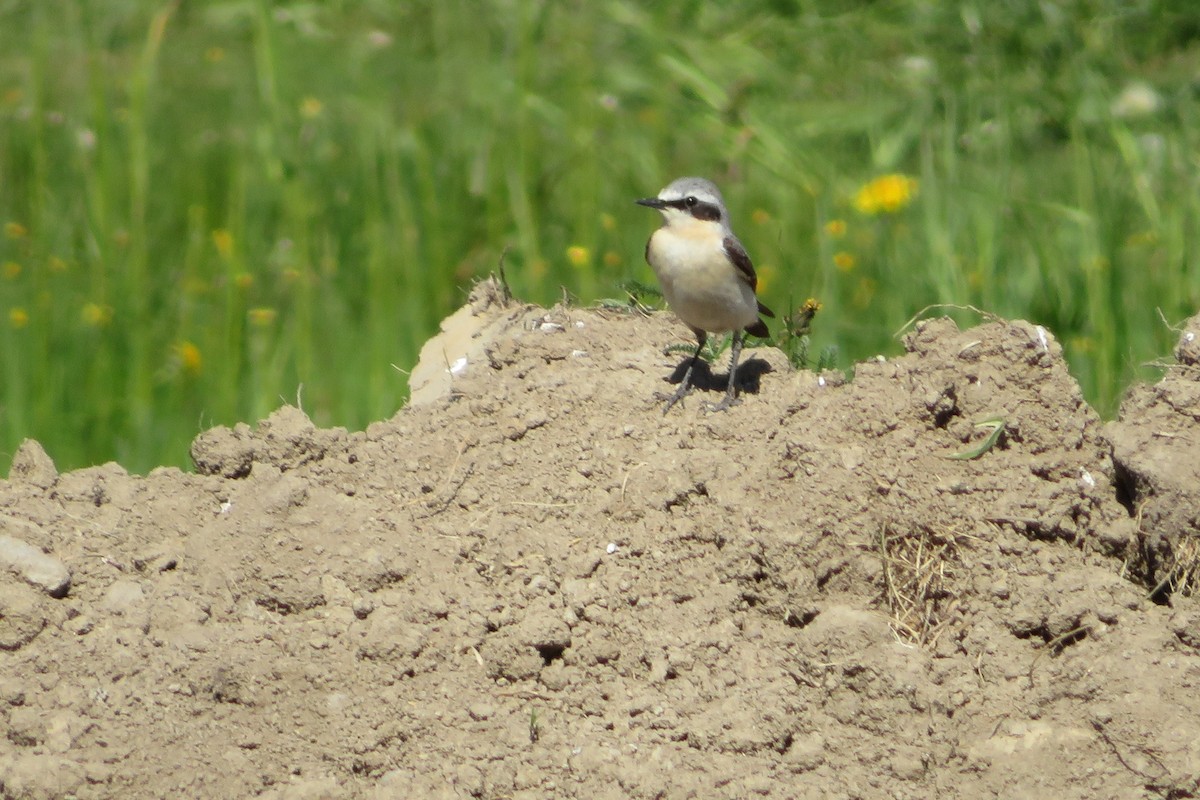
(691, 201)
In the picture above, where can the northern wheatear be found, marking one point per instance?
(705, 274)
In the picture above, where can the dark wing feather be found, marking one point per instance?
(737, 254)
(759, 329)
(745, 267)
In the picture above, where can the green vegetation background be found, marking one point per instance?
(213, 208)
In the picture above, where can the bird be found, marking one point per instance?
(706, 276)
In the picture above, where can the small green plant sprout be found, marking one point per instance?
(995, 427)
(714, 346)
(535, 725)
(505, 290)
(639, 297)
(794, 340)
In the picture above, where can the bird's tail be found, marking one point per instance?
(758, 329)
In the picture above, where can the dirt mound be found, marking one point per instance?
(1156, 450)
(533, 584)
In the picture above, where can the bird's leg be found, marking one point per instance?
(731, 398)
(685, 385)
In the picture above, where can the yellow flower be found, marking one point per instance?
(96, 315)
(864, 293)
(886, 194)
(799, 323)
(612, 259)
(1148, 237)
(843, 261)
(579, 256)
(223, 241)
(836, 228)
(189, 357)
(261, 317)
(608, 222)
(214, 55)
(15, 230)
(1081, 344)
(56, 264)
(194, 285)
(311, 107)
(760, 216)
(12, 270)
(648, 115)
(18, 317)
(243, 280)
(766, 276)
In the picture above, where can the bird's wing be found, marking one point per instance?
(737, 254)
(745, 267)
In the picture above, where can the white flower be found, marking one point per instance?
(1136, 100)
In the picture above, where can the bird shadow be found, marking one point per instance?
(749, 375)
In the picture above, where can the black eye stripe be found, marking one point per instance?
(696, 207)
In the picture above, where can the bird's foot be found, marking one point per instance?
(731, 399)
(683, 391)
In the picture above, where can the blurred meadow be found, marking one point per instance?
(212, 208)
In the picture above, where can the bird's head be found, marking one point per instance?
(687, 200)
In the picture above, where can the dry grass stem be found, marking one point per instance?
(920, 575)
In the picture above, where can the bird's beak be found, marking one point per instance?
(652, 202)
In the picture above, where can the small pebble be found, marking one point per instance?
(34, 566)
